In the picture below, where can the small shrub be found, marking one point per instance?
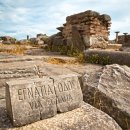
(96, 59)
(105, 60)
(63, 50)
(81, 58)
(67, 50)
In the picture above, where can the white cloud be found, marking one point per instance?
(19, 14)
(32, 17)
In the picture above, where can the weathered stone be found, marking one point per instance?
(126, 45)
(7, 40)
(77, 39)
(124, 40)
(106, 17)
(30, 100)
(98, 42)
(2, 89)
(95, 42)
(60, 28)
(87, 28)
(55, 41)
(125, 49)
(109, 91)
(84, 118)
(68, 91)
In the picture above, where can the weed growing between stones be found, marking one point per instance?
(96, 59)
(65, 50)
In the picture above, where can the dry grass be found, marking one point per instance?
(79, 59)
(114, 46)
(13, 49)
(60, 61)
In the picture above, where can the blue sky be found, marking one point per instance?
(19, 18)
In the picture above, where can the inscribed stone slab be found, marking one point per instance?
(68, 92)
(28, 101)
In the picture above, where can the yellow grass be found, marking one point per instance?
(13, 49)
(60, 61)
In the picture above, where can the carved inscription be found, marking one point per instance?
(36, 104)
(36, 99)
(65, 87)
(35, 92)
(68, 92)
(64, 98)
(36, 96)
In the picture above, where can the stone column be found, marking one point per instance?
(125, 40)
(27, 37)
(117, 36)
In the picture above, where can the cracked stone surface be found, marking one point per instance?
(84, 118)
(109, 91)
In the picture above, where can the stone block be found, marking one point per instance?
(68, 91)
(28, 101)
(31, 100)
(110, 86)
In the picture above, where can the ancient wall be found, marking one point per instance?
(91, 26)
(123, 39)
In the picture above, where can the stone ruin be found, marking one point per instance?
(7, 40)
(88, 29)
(124, 40)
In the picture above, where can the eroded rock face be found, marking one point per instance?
(109, 91)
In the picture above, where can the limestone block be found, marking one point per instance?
(28, 101)
(68, 91)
